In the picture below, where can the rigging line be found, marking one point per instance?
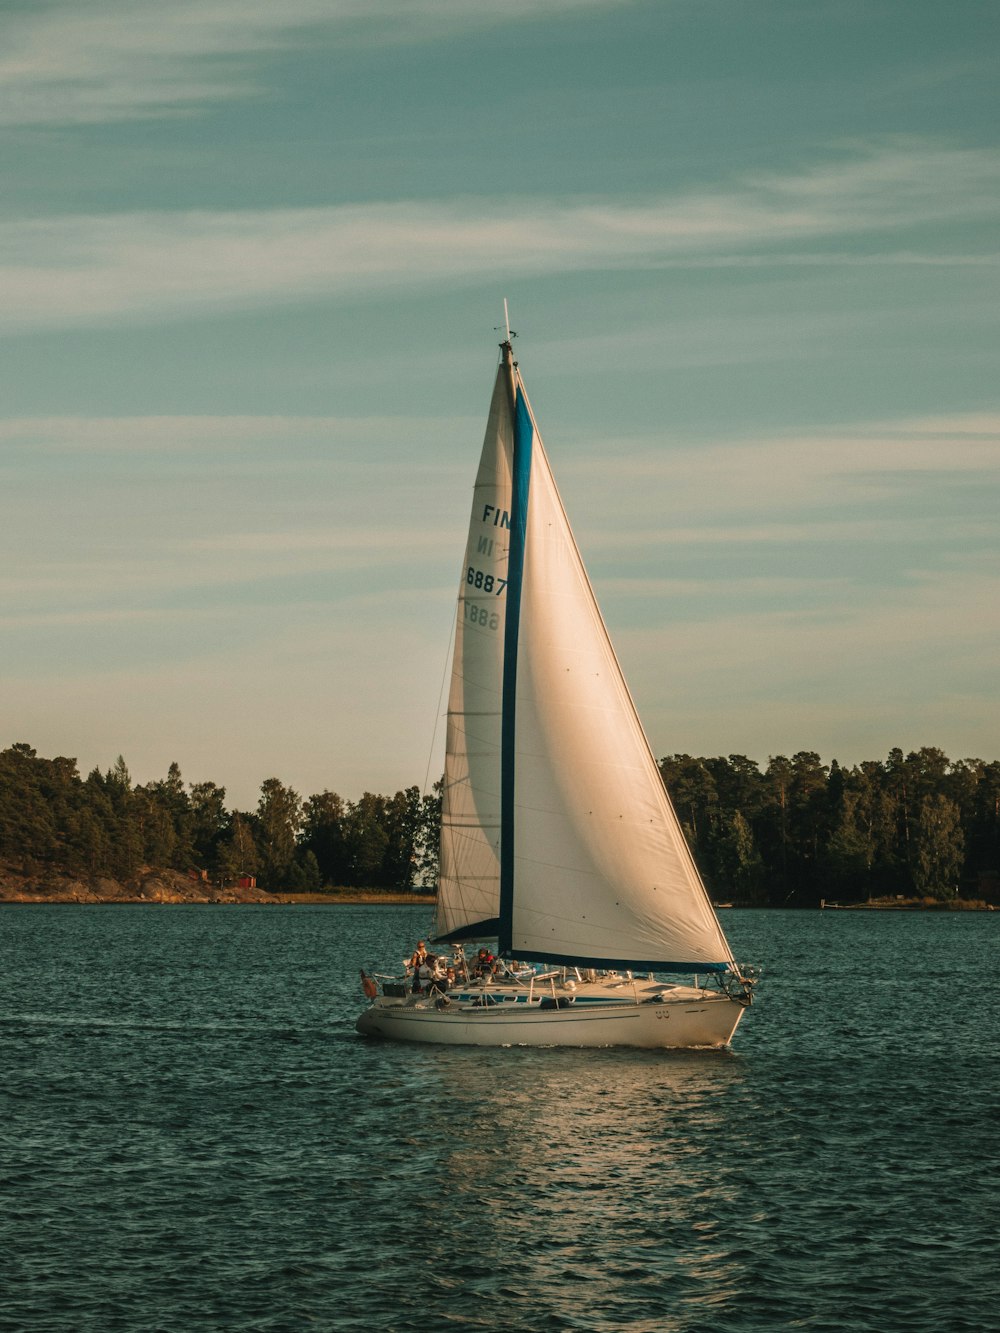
(437, 711)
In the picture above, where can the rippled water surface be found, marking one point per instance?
(192, 1136)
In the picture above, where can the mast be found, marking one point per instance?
(521, 478)
(506, 350)
(469, 881)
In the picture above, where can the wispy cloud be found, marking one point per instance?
(941, 612)
(881, 531)
(130, 544)
(916, 667)
(93, 61)
(108, 516)
(85, 270)
(850, 485)
(182, 434)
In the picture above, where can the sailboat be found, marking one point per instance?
(559, 843)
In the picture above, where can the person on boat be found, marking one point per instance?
(485, 964)
(414, 965)
(418, 955)
(432, 974)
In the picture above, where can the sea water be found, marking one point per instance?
(194, 1137)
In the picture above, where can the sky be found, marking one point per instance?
(253, 258)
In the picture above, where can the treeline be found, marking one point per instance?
(916, 825)
(104, 824)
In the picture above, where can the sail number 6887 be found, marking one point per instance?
(477, 579)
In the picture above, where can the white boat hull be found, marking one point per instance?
(695, 1020)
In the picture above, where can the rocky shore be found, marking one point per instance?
(900, 904)
(153, 885)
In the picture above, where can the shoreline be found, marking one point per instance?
(265, 900)
(372, 898)
(153, 887)
(910, 905)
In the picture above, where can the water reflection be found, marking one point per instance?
(597, 1166)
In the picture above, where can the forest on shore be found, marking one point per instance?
(53, 822)
(788, 835)
(799, 831)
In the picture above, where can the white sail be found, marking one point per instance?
(601, 870)
(468, 891)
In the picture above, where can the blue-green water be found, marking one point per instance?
(194, 1138)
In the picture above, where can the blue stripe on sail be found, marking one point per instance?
(523, 438)
(628, 964)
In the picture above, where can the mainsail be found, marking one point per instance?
(558, 835)
(469, 885)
